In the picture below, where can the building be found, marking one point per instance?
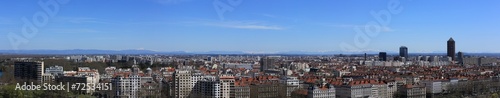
(460, 58)
(290, 84)
(268, 63)
(182, 83)
(55, 70)
(265, 89)
(242, 88)
(392, 88)
(433, 87)
(412, 91)
(451, 49)
(480, 61)
(227, 86)
(322, 90)
(32, 71)
(403, 52)
(354, 89)
(382, 56)
(134, 84)
(82, 75)
(379, 89)
(208, 87)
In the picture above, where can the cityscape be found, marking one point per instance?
(249, 49)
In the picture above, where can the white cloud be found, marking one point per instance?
(243, 25)
(73, 31)
(80, 20)
(170, 1)
(362, 27)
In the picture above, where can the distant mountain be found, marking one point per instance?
(85, 51)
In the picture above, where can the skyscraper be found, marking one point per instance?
(460, 58)
(403, 52)
(451, 48)
(382, 56)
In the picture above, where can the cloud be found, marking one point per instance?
(73, 31)
(80, 20)
(383, 28)
(242, 25)
(170, 1)
(262, 27)
(269, 15)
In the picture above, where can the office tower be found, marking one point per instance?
(451, 49)
(460, 58)
(29, 70)
(382, 56)
(403, 52)
(268, 62)
(365, 57)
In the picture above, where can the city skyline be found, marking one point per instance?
(252, 26)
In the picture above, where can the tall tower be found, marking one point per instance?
(382, 56)
(451, 48)
(403, 52)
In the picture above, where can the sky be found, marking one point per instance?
(256, 26)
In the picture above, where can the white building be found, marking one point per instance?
(291, 84)
(182, 83)
(433, 86)
(226, 86)
(321, 90)
(54, 70)
(127, 86)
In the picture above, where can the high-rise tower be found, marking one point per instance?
(451, 49)
(403, 52)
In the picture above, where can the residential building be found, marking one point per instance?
(412, 91)
(182, 83)
(29, 70)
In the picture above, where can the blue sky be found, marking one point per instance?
(254, 25)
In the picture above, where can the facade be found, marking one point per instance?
(182, 83)
(208, 87)
(321, 91)
(412, 91)
(55, 70)
(392, 88)
(354, 89)
(290, 84)
(382, 56)
(265, 89)
(451, 48)
(127, 86)
(227, 86)
(268, 63)
(460, 58)
(241, 89)
(29, 70)
(379, 89)
(403, 52)
(433, 86)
